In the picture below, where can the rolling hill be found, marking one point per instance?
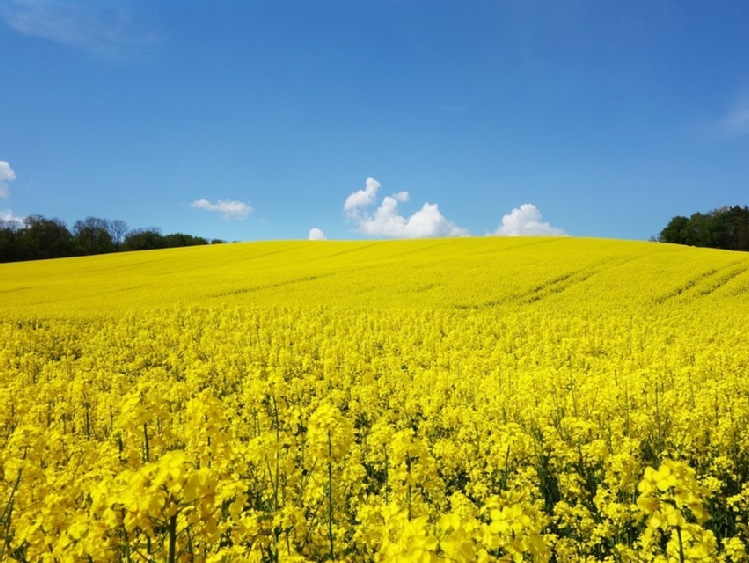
(436, 273)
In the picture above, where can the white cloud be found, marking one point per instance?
(7, 217)
(316, 234)
(526, 220)
(387, 221)
(362, 198)
(230, 209)
(6, 175)
(105, 28)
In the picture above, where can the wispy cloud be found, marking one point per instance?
(316, 234)
(386, 220)
(733, 124)
(8, 218)
(526, 220)
(105, 28)
(6, 175)
(230, 209)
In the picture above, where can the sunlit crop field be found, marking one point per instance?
(477, 399)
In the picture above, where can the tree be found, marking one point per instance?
(143, 239)
(92, 236)
(179, 239)
(675, 231)
(37, 237)
(737, 225)
(45, 238)
(698, 229)
(726, 228)
(11, 249)
(117, 230)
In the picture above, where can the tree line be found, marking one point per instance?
(37, 237)
(726, 228)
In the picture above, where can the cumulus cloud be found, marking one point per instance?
(6, 175)
(105, 28)
(362, 198)
(316, 234)
(386, 220)
(526, 220)
(230, 209)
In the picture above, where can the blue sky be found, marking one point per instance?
(260, 120)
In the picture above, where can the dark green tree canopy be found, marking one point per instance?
(37, 237)
(726, 228)
(93, 236)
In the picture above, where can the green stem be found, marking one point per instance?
(330, 495)
(173, 538)
(408, 466)
(681, 545)
(145, 433)
(88, 421)
(276, 477)
(8, 511)
(127, 540)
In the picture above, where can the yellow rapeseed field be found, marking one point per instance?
(475, 399)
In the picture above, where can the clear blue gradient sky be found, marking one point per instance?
(256, 120)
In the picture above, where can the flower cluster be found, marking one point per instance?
(508, 424)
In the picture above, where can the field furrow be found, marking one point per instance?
(513, 399)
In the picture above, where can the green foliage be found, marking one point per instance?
(44, 238)
(92, 236)
(152, 239)
(37, 238)
(726, 228)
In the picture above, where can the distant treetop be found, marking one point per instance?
(726, 228)
(37, 237)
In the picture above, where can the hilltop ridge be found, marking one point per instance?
(439, 273)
